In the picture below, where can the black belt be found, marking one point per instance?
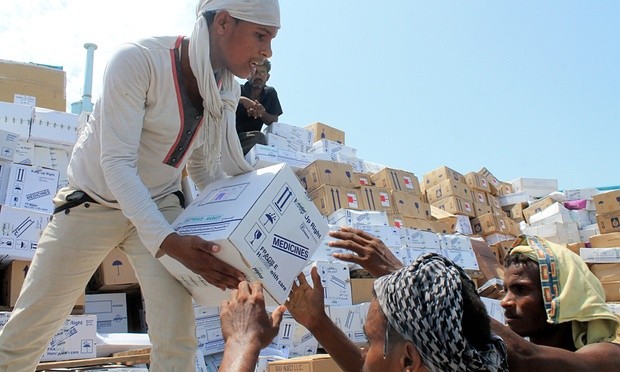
(80, 197)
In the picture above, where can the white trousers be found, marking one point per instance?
(69, 251)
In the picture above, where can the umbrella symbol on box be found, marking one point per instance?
(118, 265)
(328, 172)
(348, 174)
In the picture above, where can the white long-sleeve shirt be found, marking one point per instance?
(137, 142)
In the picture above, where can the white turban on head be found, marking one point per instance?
(220, 104)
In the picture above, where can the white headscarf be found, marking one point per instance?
(220, 105)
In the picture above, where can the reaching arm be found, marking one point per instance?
(246, 327)
(526, 356)
(306, 305)
(370, 253)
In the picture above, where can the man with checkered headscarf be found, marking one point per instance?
(167, 104)
(426, 316)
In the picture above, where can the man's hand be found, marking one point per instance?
(256, 110)
(307, 304)
(370, 253)
(245, 320)
(199, 256)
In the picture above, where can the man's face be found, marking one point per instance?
(241, 46)
(259, 77)
(374, 328)
(523, 304)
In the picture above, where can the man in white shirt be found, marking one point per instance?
(167, 103)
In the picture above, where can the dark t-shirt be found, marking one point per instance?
(268, 98)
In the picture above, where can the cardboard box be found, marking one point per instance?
(349, 217)
(441, 174)
(488, 263)
(397, 180)
(449, 188)
(579, 194)
(264, 223)
(395, 220)
(321, 172)
(350, 320)
(45, 83)
(476, 182)
(54, 127)
(612, 291)
(110, 309)
(607, 202)
(356, 163)
(329, 199)
(537, 206)
(16, 118)
(608, 222)
(310, 363)
(293, 339)
(325, 146)
(418, 223)
(324, 131)
(505, 188)
(479, 197)
(29, 187)
(410, 205)
(535, 187)
(13, 280)
(494, 183)
(291, 132)
(516, 212)
(376, 199)
(608, 240)
(335, 280)
(556, 212)
(274, 140)
(115, 273)
(506, 201)
(208, 329)
(482, 209)
(8, 145)
(414, 238)
(21, 230)
(455, 205)
(561, 233)
(362, 290)
(261, 156)
(74, 340)
(600, 255)
(389, 235)
(606, 272)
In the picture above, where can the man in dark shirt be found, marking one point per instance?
(258, 105)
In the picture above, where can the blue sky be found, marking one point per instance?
(525, 88)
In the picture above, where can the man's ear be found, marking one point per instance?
(267, 78)
(411, 360)
(222, 21)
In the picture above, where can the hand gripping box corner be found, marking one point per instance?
(264, 223)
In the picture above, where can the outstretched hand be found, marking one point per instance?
(368, 251)
(200, 256)
(306, 303)
(245, 320)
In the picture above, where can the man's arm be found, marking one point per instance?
(306, 305)
(526, 356)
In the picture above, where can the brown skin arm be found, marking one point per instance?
(246, 327)
(306, 305)
(369, 252)
(526, 356)
(199, 256)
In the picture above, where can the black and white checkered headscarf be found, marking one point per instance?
(424, 303)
